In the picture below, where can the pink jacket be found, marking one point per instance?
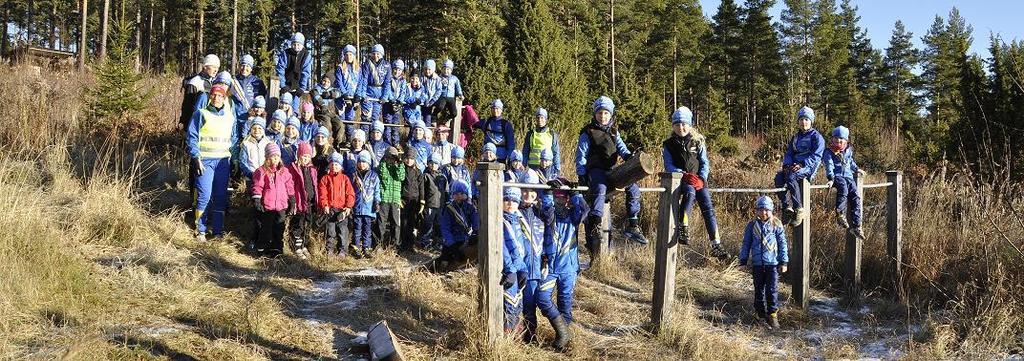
(299, 185)
(272, 187)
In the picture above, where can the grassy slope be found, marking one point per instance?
(102, 266)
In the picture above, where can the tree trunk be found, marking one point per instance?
(359, 47)
(138, 37)
(53, 26)
(612, 9)
(234, 35)
(28, 25)
(105, 27)
(82, 49)
(3, 29)
(202, 25)
(148, 63)
(163, 41)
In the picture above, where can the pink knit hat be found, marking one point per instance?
(273, 149)
(307, 107)
(305, 149)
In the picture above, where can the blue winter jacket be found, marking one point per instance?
(805, 149)
(703, 170)
(367, 194)
(414, 98)
(423, 151)
(450, 86)
(764, 244)
(538, 240)
(379, 147)
(252, 86)
(307, 68)
(196, 122)
(455, 218)
(346, 82)
(308, 130)
(395, 90)
(289, 150)
(373, 78)
(513, 252)
(453, 173)
(840, 164)
(432, 89)
(583, 148)
(566, 259)
(501, 133)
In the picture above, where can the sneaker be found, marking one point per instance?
(718, 252)
(857, 232)
(633, 232)
(683, 235)
(841, 220)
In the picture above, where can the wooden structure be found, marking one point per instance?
(383, 343)
(35, 55)
(489, 261)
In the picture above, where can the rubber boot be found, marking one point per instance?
(683, 234)
(841, 220)
(773, 321)
(593, 233)
(633, 232)
(562, 333)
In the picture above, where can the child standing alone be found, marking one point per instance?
(764, 244)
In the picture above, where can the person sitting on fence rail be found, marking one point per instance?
(801, 161)
(685, 151)
(512, 255)
(295, 69)
(597, 151)
(764, 245)
(346, 80)
(415, 97)
(451, 89)
(375, 74)
(842, 173)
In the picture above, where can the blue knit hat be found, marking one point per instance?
(378, 49)
(429, 64)
(359, 134)
(460, 186)
(259, 102)
(765, 202)
(223, 77)
(605, 103)
(512, 194)
(338, 158)
(805, 112)
(448, 63)
(515, 156)
(286, 98)
(458, 152)
(258, 122)
(497, 104)
(682, 115)
(349, 49)
(490, 147)
(248, 60)
(378, 126)
(541, 112)
(546, 154)
(322, 130)
(298, 38)
(279, 115)
(293, 121)
(841, 132)
(531, 177)
(435, 158)
(364, 157)
(398, 64)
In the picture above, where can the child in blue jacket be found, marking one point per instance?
(842, 173)
(512, 254)
(394, 98)
(499, 131)
(803, 156)
(764, 244)
(367, 188)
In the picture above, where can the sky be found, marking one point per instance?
(1005, 17)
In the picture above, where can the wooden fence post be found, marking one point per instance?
(489, 249)
(275, 96)
(854, 246)
(801, 250)
(604, 244)
(894, 226)
(456, 122)
(665, 252)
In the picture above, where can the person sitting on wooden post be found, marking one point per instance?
(295, 69)
(685, 151)
(597, 151)
(803, 156)
(842, 173)
(512, 254)
(764, 244)
(346, 80)
(459, 225)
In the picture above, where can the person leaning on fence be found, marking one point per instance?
(295, 69)
(375, 74)
(393, 99)
(842, 173)
(512, 254)
(597, 151)
(415, 96)
(209, 140)
(432, 179)
(193, 86)
(540, 138)
(336, 197)
(346, 81)
(499, 131)
(322, 150)
(273, 194)
(389, 220)
(413, 201)
(366, 184)
(686, 152)
(764, 245)
(303, 217)
(801, 161)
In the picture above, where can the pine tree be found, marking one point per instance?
(797, 20)
(899, 86)
(723, 61)
(761, 72)
(946, 45)
(118, 96)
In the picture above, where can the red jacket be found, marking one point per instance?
(300, 185)
(335, 191)
(272, 187)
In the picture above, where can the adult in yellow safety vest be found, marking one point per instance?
(211, 133)
(539, 138)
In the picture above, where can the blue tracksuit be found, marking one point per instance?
(538, 243)
(804, 149)
(512, 255)
(367, 189)
(289, 150)
(841, 169)
(304, 77)
(565, 261)
(308, 130)
(379, 148)
(431, 93)
(597, 173)
(451, 87)
(455, 218)
(346, 81)
(212, 186)
(373, 78)
(423, 151)
(252, 86)
(454, 173)
(394, 97)
(414, 99)
(692, 153)
(501, 133)
(764, 244)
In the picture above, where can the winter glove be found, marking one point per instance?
(555, 183)
(521, 278)
(291, 205)
(198, 164)
(259, 205)
(508, 280)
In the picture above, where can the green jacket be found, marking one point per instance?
(391, 177)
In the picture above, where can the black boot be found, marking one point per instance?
(633, 232)
(682, 234)
(530, 333)
(562, 333)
